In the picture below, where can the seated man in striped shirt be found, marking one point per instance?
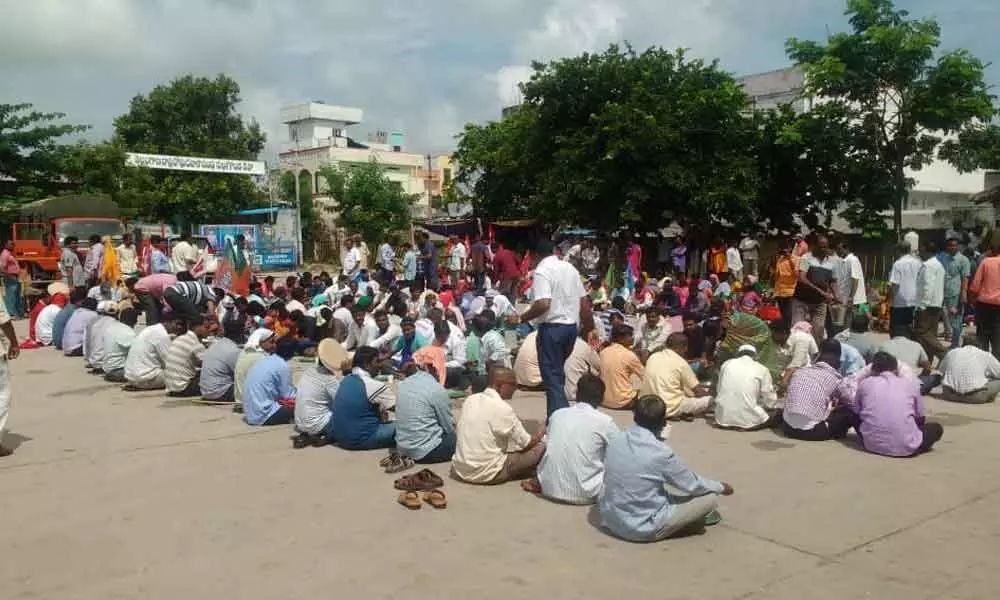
(184, 358)
(572, 468)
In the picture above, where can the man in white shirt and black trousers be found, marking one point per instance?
(559, 305)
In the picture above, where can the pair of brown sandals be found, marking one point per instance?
(425, 481)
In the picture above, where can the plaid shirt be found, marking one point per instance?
(810, 391)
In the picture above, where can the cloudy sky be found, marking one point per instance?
(424, 66)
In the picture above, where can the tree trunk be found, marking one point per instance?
(899, 197)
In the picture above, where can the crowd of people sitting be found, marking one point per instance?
(388, 355)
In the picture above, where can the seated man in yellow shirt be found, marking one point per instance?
(619, 364)
(669, 376)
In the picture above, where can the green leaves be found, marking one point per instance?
(31, 148)
(895, 103)
(190, 116)
(368, 203)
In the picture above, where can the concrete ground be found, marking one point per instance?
(121, 495)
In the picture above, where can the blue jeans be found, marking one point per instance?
(443, 452)
(554, 344)
(12, 296)
(383, 437)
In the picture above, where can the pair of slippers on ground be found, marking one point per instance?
(425, 481)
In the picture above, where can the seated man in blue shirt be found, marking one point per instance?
(359, 407)
(269, 386)
(635, 505)
(425, 427)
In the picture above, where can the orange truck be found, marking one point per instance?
(43, 224)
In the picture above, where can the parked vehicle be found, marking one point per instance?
(44, 224)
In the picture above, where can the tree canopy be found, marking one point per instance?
(620, 138)
(367, 202)
(32, 150)
(895, 98)
(190, 116)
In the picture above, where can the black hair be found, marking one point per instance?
(129, 316)
(650, 412)
(77, 295)
(590, 389)
(829, 352)
(285, 347)
(94, 239)
(618, 303)
(347, 300)
(89, 303)
(780, 326)
(185, 276)
(435, 313)
(883, 361)
(234, 330)
(364, 356)
(442, 329)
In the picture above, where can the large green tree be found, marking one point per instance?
(32, 152)
(367, 202)
(896, 97)
(190, 116)
(620, 138)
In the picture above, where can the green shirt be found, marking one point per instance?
(956, 268)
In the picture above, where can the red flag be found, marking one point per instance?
(490, 232)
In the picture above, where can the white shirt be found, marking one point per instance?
(454, 347)
(357, 336)
(733, 259)
(352, 262)
(572, 469)
(651, 339)
(487, 430)
(181, 254)
(377, 340)
(343, 314)
(387, 257)
(294, 305)
(148, 354)
(968, 369)
(458, 255)
(904, 273)
(930, 284)
(526, 363)
(127, 262)
(559, 282)
(316, 388)
(117, 341)
(745, 390)
(802, 347)
(583, 360)
(43, 324)
(853, 271)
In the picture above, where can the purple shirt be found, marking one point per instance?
(76, 329)
(679, 254)
(890, 406)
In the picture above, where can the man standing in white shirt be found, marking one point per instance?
(572, 469)
(128, 264)
(851, 291)
(386, 263)
(456, 260)
(183, 255)
(750, 248)
(559, 305)
(352, 260)
(746, 392)
(735, 262)
(903, 289)
(930, 300)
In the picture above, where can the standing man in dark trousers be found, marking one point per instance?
(559, 305)
(986, 289)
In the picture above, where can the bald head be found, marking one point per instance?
(503, 381)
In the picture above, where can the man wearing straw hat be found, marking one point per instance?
(317, 387)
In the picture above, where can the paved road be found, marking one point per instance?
(118, 495)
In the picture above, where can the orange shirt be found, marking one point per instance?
(618, 365)
(786, 274)
(717, 260)
(986, 284)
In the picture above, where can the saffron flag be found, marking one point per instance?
(233, 273)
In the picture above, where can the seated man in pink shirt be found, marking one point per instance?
(888, 412)
(149, 293)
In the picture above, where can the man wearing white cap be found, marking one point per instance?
(93, 337)
(746, 392)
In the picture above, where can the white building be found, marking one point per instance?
(940, 193)
(318, 136)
